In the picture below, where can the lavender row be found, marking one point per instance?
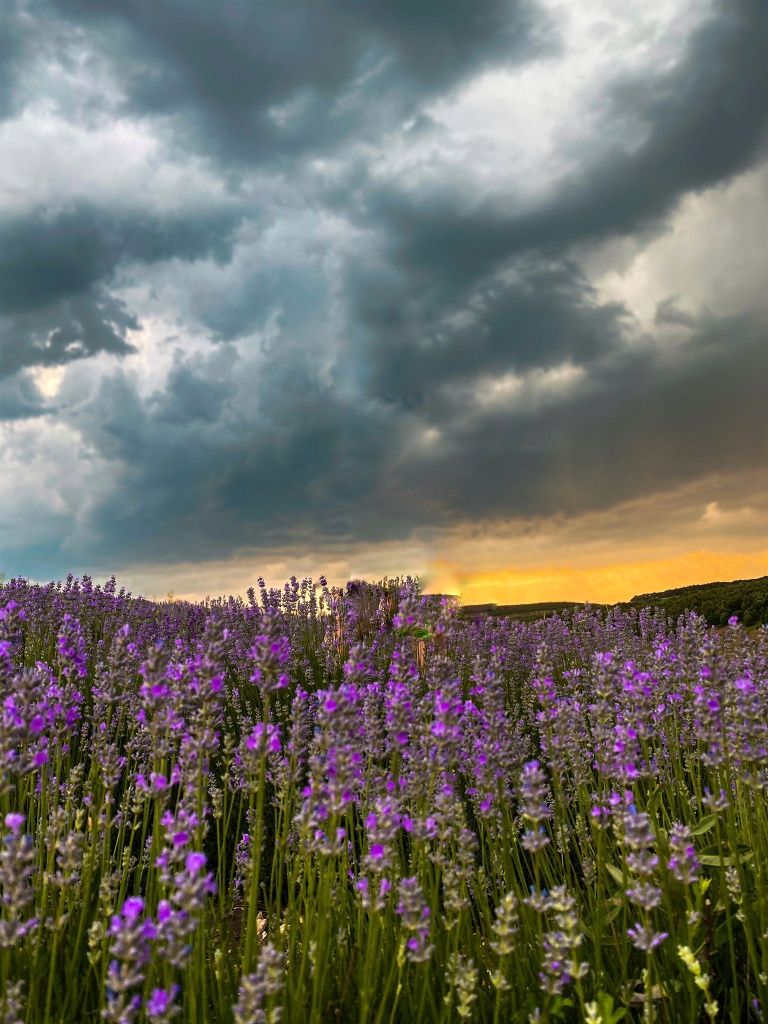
(326, 804)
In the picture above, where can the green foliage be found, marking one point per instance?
(715, 602)
(521, 612)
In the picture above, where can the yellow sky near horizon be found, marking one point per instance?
(601, 584)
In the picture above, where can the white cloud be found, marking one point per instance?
(47, 379)
(531, 390)
(54, 479)
(517, 134)
(711, 255)
(49, 160)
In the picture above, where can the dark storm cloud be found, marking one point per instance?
(706, 121)
(194, 392)
(46, 256)
(298, 290)
(63, 331)
(352, 401)
(641, 422)
(545, 315)
(281, 450)
(55, 269)
(257, 80)
(277, 457)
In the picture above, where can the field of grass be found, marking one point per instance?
(354, 805)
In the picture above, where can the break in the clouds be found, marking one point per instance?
(291, 276)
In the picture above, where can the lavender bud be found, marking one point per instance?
(255, 990)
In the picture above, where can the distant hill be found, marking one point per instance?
(522, 612)
(716, 602)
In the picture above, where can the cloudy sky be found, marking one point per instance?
(474, 289)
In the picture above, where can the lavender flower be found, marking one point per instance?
(271, 654)
(160, 1006)
(683, 862)
(559, 964)
(644, 895)
(639, 839)
(534, 807)
(257, 989)
(12, 1004)
(177, 917)
(505, 929)
(130, 936)
(17, 866)
(414, 914)
(336, 743)
(645, 938)
(462, 979)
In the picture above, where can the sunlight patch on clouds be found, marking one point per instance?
(605, 35)
(738, 518)
(712, 255)
(47, 379)
(519, 133)
(51, 161)
(54, 480)
(532, 390)
(425, 439)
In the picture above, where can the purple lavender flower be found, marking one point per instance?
(414, 914)
(638, 839)
(17, 866)
(683, 862)
(130, 937)
(271, 654)
(160, 1006)
(195, 863)
(14, 821)
(644, 895)
(70, 644)
(260, 988)
(645, 938)
(178, 916)
(534, 807)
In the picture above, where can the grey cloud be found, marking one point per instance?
(643, 422)
(284, 452)
(668, 312)
(706, 121)
(46, 256)
(269, 440)
(13, 40)
(19, 398)
(414, 346)
(194, 391)
(286, 459)
(55, 268)
(255, 81)
(454, 289)
(65, 330)
(297, 290)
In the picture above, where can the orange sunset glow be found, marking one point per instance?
(600, 584)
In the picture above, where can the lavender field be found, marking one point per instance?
(351, 805)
